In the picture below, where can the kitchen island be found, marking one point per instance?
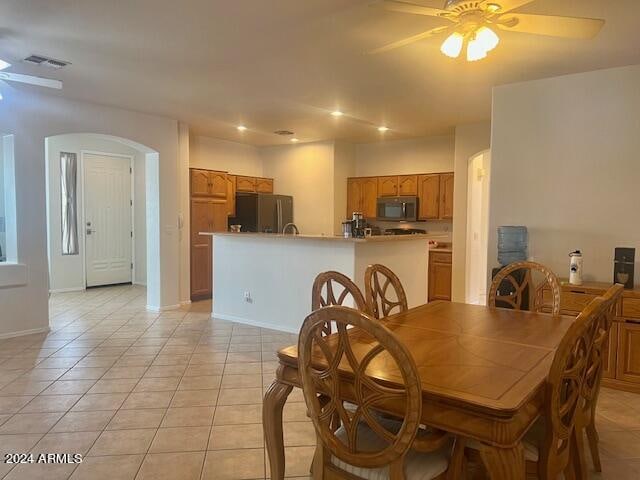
(266, 279)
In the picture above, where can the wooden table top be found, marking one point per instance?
(492, 360)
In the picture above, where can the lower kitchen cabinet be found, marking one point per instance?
(206, 216)
(440, 269)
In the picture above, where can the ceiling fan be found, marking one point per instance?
(473, 23)
(28, 79)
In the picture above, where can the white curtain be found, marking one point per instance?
(68, 193)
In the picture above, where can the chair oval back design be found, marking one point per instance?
(516, 299)
(565, 387)
(377, 280)
(334, 288)
(324, 361)
(593, 377)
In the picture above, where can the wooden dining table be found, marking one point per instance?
(483, 372)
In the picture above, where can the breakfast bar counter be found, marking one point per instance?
(265, 279)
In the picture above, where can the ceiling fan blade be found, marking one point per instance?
(553, 26)
(405, 7)
(31, 80)
(508, 5)
(409, 40)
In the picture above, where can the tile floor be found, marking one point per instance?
(176, 396)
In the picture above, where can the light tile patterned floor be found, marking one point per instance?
(176, 396)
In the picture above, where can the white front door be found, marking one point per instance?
(107, 216)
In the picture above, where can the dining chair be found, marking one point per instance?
(586, 421)
(383, 291)
(511, 291)
(364, 444)
(334, 288)
(550, 444)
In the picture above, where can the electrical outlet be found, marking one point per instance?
(247, 297)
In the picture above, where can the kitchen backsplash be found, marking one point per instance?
(431, 227)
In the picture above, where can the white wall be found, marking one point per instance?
(66, 271)
(307, 172)
(565, 164)
(470, 140)
(216, 154)
(421, 155)
(31, 118)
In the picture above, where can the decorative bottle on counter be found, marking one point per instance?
(575, 268)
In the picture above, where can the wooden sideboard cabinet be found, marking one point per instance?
(622, 356)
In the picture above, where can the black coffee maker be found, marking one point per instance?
(623, 266)
(358, 225)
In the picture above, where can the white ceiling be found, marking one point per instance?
(285, 64)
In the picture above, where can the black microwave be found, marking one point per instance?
(397, 209)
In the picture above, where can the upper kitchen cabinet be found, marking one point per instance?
(208, 183)
(264, 185)
(362, 195)
(245, 184)
(446, 196)
(388, 186)
(231, 195)
(408, 185)
(429, 197)
(254, 184)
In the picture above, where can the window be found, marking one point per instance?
(8, 236)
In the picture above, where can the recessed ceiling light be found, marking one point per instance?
(241, 128)
(383, 129)
(4, 64)
(295, 140)
(337, 113)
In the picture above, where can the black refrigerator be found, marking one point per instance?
(262, 212)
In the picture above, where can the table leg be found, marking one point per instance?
(272, 406)
(504, 463)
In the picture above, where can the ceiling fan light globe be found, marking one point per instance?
(475, 51)
(488, 38)
(452, 46)
(4, 64)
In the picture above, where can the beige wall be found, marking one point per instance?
(216, 154)
(469, 140)
(566, 164)
(344, 167)
(306, 172)
(422, 155)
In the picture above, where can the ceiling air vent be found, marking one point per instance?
(283, 132)
(45, 61)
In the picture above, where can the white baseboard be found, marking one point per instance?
(142, 284)
(163, 309)
(185, 302)
(67, 290)
(249, 321)
(24, 332)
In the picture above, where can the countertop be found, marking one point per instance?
(377, 238)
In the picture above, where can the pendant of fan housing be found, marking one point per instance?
(475, 23)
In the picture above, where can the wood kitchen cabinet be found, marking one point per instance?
(362, 196)
(628, 355)
(446, 196)
(264, 185)
(208, 183)
(388, 186)
(245, 184)
(207, 215)
(408, 185)
(440, 270)
(231, 195)
(429, 197)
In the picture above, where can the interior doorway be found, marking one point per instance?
(108, 218)
(479, 175)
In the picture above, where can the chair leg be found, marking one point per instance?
(592, 436)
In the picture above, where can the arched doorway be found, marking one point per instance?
(479, 170)
(93, 240)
